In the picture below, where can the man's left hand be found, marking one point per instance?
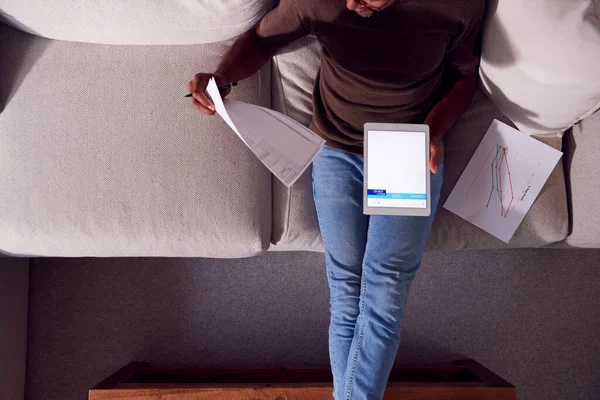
(436, 151)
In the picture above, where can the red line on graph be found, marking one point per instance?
(500, 184)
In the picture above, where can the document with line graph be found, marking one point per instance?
(283, 145)
(502, 180)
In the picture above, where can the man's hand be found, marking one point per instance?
(436, 152)
(200, 99)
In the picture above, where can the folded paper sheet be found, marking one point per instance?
(283, 145)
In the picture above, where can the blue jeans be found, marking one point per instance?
(371, 262)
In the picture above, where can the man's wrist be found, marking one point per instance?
(435, 135)
(220, 78)
(436, 138)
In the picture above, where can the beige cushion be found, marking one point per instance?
(294, 218)
(541, 61)
(135, 21)
(582, 152)
(295, 225)
(14, 290)
(101, 155)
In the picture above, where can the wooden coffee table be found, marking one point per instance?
(463, 380)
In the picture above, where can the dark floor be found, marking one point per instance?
(532, 316)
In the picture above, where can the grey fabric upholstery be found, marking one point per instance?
(14, 294)
(101, 155)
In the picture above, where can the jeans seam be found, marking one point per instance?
(360, 335)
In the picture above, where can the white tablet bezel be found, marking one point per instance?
(401, 211)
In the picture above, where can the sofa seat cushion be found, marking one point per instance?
(294, 218)
(582, 149)
(135, 21)
(547, 220)
(101, 155)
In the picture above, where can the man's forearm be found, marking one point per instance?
(245, 57)
(452, 106)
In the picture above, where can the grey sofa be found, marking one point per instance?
(100, 155)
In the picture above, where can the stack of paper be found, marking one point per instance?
(283, 145)
(502, 180)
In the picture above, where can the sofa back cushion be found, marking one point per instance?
(541, 61)
(135, 21)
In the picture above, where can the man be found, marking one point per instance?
(393, 61)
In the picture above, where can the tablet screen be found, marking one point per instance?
(397, 169)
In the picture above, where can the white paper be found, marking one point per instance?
(215, 95)
(502, 180)
(283, 145)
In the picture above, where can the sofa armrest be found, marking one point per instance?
(14, 293)
(581, 152)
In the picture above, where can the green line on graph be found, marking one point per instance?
(494, 161)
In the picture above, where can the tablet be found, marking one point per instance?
(396, 170)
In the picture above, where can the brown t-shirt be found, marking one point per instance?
(391, 67)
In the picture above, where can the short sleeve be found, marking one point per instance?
(284, 21)
(464, 52)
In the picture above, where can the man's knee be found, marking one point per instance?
(396, 267)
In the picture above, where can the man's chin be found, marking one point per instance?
(365, 14)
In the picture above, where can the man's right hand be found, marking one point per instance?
(200, 99)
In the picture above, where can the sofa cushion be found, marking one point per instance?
(294, 218)
(541, 61)
(545, 223)
(582, 150)
(101, 155)
(135, 21)
(295, 225)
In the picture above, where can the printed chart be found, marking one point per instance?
(502, 180)
(499, 178)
